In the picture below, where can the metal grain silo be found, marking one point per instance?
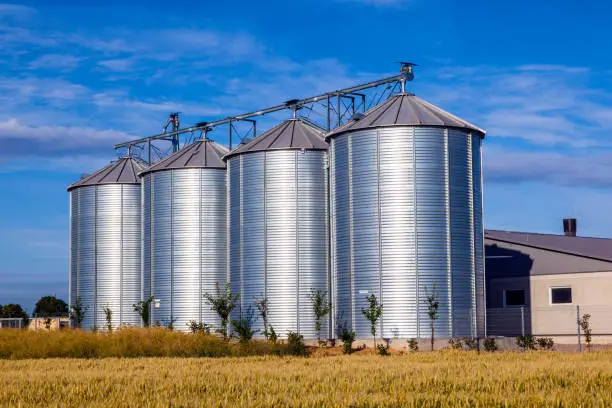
(278, 224)
(406, 212)
(105, 243)
(185, 233)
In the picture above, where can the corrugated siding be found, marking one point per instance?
(433, 263)
(161, 246)
(479, 236)
(340, 203)
(312, 238)
(461, 232)
(105, 251)
(146, 237)
(187, 250)
(397, 205)
(402, 204)
(130, 254)
(279, 249)
(365, 225)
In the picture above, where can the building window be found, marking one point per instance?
(560, 296)
(514, 297)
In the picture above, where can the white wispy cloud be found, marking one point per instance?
(543, 105)
(58, 62)
(19, 10)
(21, 139)
(513, 165)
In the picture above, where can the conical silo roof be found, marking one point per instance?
(290, 134)
(406, 109)
(201, 154)
(122, 171)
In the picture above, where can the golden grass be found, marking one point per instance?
(155, 342)
(439, 379)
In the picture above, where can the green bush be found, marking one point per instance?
(296, 344)
(455, 344)
(382, 350)
(526, 342)
(198, 327)
(348, 338)
(545, 343)
(490, 344)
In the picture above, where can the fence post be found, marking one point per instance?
(578, 327)
(523, 325)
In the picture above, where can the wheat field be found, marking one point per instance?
(439, 379)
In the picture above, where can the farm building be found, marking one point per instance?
(540, 284)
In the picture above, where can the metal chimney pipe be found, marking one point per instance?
(569, 227)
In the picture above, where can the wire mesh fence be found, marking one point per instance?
(11, 323)
(551, 321)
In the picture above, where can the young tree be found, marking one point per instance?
(262, 306)
(108, 314)
(432, 312)
(77, 312)
(321, 308)
(585, 324)
(143, 308)
(244, 326)
(222, 302)
(372, 313)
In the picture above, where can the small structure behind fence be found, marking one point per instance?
(560, 322)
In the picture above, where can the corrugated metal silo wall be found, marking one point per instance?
(279, 236)
(185, 243)
(105, 252)
(404, 225)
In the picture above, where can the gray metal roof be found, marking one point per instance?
(290, 134)
(122, 171)
(406, 109)
(594, 248)
(201, 154)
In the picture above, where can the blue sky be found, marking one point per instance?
(76, 78)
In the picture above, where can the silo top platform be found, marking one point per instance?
(405, 109)
(122, 171)
(288, 135)
(201, 154)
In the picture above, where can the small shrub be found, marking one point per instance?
(198, 327)
(413, 345)
(455, 344)
(545, 343)
(296, 344)
(272, 336)
(243, 327)
(585, 325)
(108, 315)
(143, 308)
(348, 338)
(382, 350)
(526, 342)
(490, 344)
(470, 343)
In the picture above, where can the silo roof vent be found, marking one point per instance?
(406, 109)
(122, 171)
